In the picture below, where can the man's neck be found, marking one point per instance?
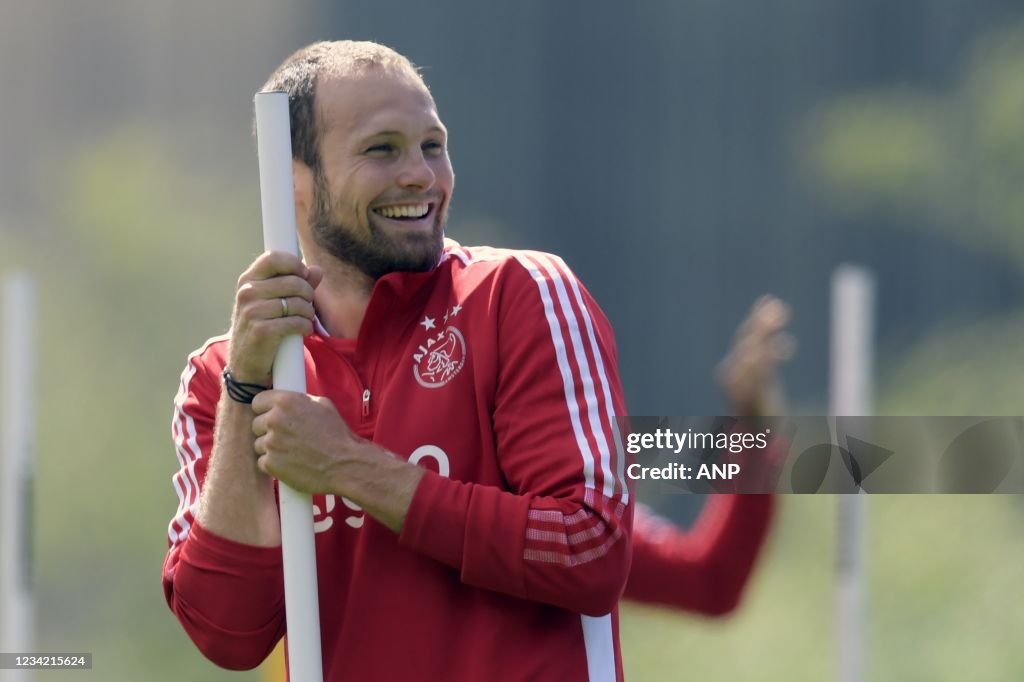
(342, 298)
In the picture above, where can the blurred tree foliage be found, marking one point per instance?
(950, 161)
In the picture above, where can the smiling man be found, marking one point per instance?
(473, 517)
(472, 512)
(371, 207)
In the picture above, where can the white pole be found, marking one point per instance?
(16, 474)
(302, 610)
(853, 293)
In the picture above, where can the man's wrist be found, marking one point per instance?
(380, 482)
(240, 391)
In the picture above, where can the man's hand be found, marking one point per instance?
(275, 283)
(237, 500)
(301, 440)
(748, 372)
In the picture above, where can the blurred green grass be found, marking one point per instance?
(943, 588)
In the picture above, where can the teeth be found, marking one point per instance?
(413, 211)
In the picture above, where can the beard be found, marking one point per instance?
(377, 253)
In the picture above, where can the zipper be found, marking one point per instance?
(359, 382)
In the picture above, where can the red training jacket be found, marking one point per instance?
(496, 371)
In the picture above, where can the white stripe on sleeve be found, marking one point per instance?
(568, 383)
(620, 458)
(593, 413)
(186, 446)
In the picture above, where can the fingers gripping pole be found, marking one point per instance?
(273, 135)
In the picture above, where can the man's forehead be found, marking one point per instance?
(375, 99)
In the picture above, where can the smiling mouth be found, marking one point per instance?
(405, 212)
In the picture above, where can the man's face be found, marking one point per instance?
(380, 201)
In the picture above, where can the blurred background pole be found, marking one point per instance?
(853, 293)
(16, 472)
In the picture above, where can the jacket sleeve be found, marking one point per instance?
(559, 532)
(229, 597)
(704, 569)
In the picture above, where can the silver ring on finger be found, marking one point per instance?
(284, 307)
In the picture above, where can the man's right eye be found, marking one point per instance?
(383, 148)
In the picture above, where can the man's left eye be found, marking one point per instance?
(433, 146)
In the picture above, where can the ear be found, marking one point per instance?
(302, 184)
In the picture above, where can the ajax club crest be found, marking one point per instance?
(441, 357)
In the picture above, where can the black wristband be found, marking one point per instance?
(239, 391)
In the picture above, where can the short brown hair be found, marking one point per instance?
(298, 76)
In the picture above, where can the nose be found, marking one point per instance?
(416, 172)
